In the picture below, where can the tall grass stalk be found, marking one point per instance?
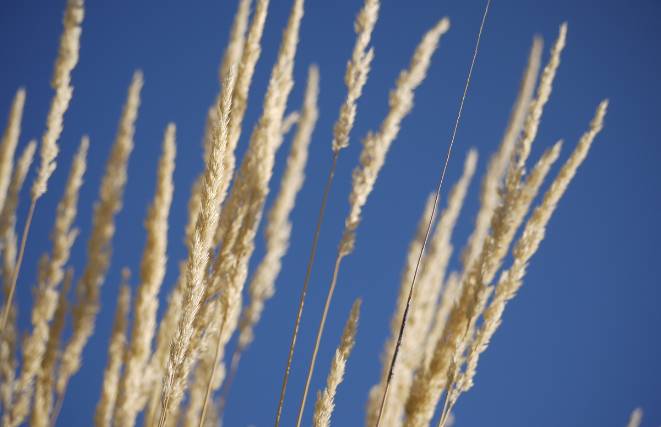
(355, 78)
(372, 159)
(66, 61)
(278, 228)
(433, 212)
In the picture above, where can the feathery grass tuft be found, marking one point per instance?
(99, 246)
(116, 349)
(323, 408)
(445, 316)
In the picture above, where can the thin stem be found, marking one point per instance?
(447, 407)
(17, 266)
(165, 403)
(393, 361)
(320, 331)
(216, 361)
(304, 290)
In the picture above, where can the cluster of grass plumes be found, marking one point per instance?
(173, 371)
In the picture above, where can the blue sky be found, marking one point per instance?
(579, 345)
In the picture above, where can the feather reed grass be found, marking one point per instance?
(246, 48)
(9, 143)
(8, 240)
(45, 381)
(372, 158)
(63, 238)
(8, 213)
(533, 233)
(355, 78)
(432, 272)
(180, 358)
(232, 56)
(278, 228)
(66, 61)
(116, 349)
(499, 161)
(250, 54)
(442, 322)
(243, 210)
(99, 247)
(516, 196)
(152, 272)
(323, 408)
(431, 218)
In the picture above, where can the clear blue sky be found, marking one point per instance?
(578, 347)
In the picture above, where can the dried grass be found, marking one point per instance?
(171, 370)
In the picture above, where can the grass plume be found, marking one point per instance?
(63, 238)
(323, 408)
(99, 246)
(169, 371)
(355, 78)
(116, 349)
(152, 272)
(278, 228)
(9, 142)
(66, 61)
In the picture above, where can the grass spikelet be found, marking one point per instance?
(63, 238)
(9, 142)
(498, 163)
(451, 288)
(159, 357)
(231, 65)
(323, 408)
(372, 158)
(358, 68)
(411, 260)
(152, 271)
(354, 78)
(250, 54)
(376, 145)
(435, 376)
(234, 66)
(533, 233)
(168, 325)
(454, 376)
(43, 394)
(437, 195)
(278, 228)
(66, 61)
(99, 247)
(8, 214)
(532, 121)
(516, 198)
(243, 210)
(232, 56)
(179, 360)
(636, 418)
(435, 261)
(432, 272)
(8, 240)
(104, 409)
(61, 83)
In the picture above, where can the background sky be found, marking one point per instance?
(579, 345)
